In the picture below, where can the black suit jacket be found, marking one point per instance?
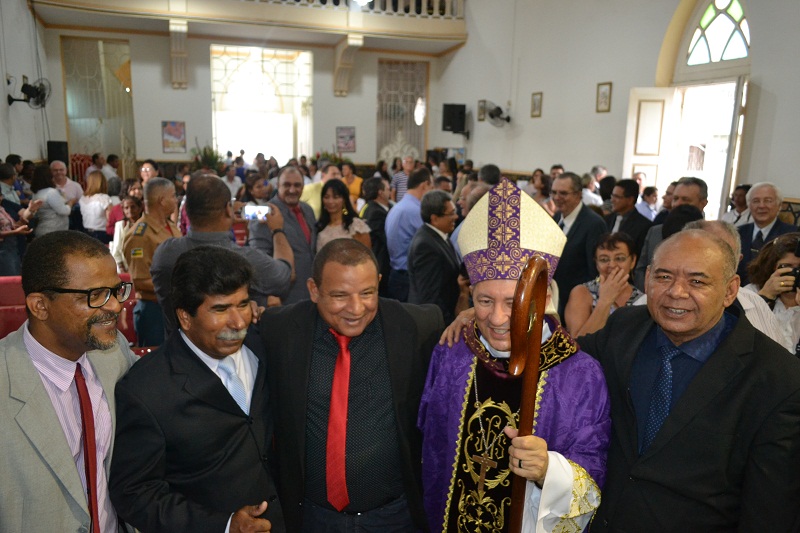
(728, 455)
(186, 456)
(375, 216)
(576, 265)
(411, 333)
(433, 268)
(636, 226)
(746, 235)
(304, 251)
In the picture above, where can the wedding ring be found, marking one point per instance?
(781, 284)
(520, 463)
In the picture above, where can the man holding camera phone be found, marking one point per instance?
(210, 212)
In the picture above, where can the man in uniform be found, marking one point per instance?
(469, 409)
(139, 245)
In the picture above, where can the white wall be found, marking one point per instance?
(771, 148)
(515, 47)
(22, 129)
(562, 49)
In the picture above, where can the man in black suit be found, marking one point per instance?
(625, 217)
(300, 228)
(764, 201)
(327, 409)
(705, 408)
(376, 193)
(433, 265)
(583, 228)
(688, 191)
(194, 422)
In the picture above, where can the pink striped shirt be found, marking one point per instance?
(58, 377)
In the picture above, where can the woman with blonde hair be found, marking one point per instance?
(95, 204)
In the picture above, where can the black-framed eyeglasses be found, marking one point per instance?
(99, 296)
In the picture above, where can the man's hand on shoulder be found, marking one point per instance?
(245, 519)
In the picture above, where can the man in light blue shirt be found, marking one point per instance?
(402, 223)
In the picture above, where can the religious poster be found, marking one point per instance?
(345, 139)
(173, 137)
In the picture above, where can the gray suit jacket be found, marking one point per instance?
(261, 238)
(41, 489)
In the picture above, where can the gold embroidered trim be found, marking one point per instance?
(558, 348)
(456, 455)
(539, 394)
(585, 500)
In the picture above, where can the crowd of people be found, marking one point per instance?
(348, 368)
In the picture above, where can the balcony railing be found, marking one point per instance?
(430, 9)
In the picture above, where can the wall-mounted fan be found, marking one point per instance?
(496, 115)
(36, 94)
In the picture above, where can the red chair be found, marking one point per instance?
(240, 231)
(12, 304)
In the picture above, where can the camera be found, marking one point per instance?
(256, 212)
(796, 271)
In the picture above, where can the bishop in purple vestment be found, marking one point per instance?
(470, 399)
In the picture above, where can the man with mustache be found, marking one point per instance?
(193, 444)
(57, 376)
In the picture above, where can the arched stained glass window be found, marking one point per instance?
(722, 34)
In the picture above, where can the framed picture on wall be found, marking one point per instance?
(173, 137)
(603, 97)
(481, 110)
(536, 105)
(345, 138)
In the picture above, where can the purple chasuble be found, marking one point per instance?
(572, 416)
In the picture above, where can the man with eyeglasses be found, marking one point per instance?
(583, 228)
(433, 265)
(764, 201)
(625, 217)
(57, 377)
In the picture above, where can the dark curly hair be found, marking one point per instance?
(765, 263)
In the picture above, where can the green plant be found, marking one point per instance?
(206, 158)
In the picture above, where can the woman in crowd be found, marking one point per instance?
(257, 190)
(132, 208)
(541, 184)
(10, 231)
(148, 170)
(771, 277)
(53, 215)
(338, 219)
(130, 187)
(382, 170)
(95, 204)
(397, 166)
(591, 303)
(352, 181)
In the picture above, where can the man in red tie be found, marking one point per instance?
(57, 377)
(347, 370)
(300, 228)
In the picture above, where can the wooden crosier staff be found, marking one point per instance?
(527, 316)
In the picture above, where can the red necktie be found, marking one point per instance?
(89, 447)
(298, 213)
(337, 427)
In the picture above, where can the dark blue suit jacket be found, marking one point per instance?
(746, 235)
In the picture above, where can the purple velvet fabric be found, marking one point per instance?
(574, 418)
